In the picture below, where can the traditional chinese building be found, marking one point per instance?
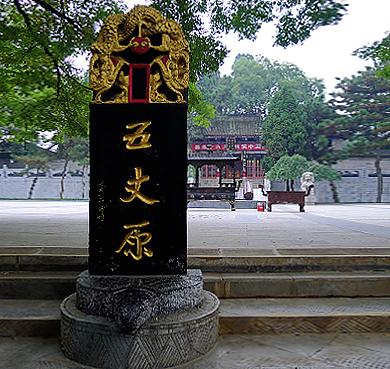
(238, 135)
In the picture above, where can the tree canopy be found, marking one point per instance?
(379, 52)
(254, 82)
(42, 90)
(363, 104)
(252, 86)
(288, 168)
(282, 131)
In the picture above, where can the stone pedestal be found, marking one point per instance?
(126, 322)
(311, 199)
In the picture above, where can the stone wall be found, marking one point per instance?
(43, 188)
(354, 189)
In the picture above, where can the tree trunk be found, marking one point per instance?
(63, 177)
(287, 185)
(334, 191)
(33, 183)
(292, 184)
(380, 177)
(83, 180)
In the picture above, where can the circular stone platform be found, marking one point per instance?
(166, 341)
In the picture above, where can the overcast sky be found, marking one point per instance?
(327, 54)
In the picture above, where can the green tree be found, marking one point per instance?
(36, 162)
(282, 131)
(72, 148)
(34, 158)
(288, 168)
(364, 121)
(379, 52)
(253, 84)
(323, 172)
(42, 90)
(79, 153)
(218, 91)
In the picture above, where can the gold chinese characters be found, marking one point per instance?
(138, 134)
(134, 188)
(137, 140)
(136, 238)
(102, 207)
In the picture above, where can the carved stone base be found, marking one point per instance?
(165, 341)
(132, 300)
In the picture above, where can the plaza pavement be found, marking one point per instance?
(309, 351)
(353, 229)
(358, 229)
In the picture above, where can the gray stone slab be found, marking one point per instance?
(325, 351)
(309, 284)
(303, 306)
(65, 224)
(37, 285)
(29, 309)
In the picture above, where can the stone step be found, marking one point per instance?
(29, 318)
(41, 318)
(293, 285)
(305, 315)
(37, 285)
(57, 286)
(288, 263)
(22, 258)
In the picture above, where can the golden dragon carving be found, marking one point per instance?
(142, 36)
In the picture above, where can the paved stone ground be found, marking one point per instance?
(357, 229)
(309, 351)
(322, 229)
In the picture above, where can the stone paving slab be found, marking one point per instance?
(303, 306)
(322, 227)
(287, 351)
(360, 229)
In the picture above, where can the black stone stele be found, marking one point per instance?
(138, 178)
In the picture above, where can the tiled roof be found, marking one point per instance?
(234, 126)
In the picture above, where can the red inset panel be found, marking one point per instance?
(139, 78)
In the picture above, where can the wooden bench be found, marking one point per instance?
(292, 197)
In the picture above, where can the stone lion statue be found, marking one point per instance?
(307, 180)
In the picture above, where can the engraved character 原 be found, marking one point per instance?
(136, 238)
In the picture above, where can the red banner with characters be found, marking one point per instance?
(222, 147)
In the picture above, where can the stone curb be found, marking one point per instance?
(49, 285)
(219, 264)
(294, 324)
